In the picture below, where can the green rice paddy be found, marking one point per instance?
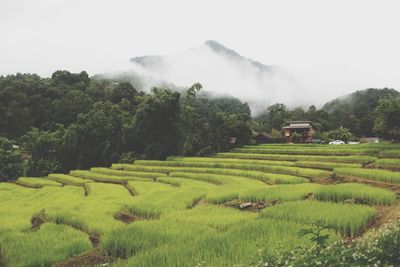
(187, 211)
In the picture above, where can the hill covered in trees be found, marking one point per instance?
(73, 121)
(364, 113)
(357, 110)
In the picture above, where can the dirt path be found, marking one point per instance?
(90, 258)
(127, 218)
(386, 214)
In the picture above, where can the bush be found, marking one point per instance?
(11, 163)
(341, 133)
(377, 248)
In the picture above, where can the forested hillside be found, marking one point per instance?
(357, 110)
(364, 113)
(73, 121)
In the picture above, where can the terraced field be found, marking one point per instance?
(214, 211)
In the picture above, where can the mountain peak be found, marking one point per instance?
(218, 48)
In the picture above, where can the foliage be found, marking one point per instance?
(277, 136)
(377, 248)
(11, 163)
(208, 124)
(341, 133)
(355, 112)
(318, 235)
(296, 137)
(387, 122)
(156, 124)
(73, 121)
(43, 147)
(277, 115)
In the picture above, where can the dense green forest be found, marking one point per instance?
(72, 121)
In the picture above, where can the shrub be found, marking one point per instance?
(377, 248)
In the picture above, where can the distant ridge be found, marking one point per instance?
(221, 71)
(157, 61)
(221, 49)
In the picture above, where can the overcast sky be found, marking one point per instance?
(346, 45)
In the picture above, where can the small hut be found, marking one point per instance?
(263, 138)
(304, 129)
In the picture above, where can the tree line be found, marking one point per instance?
(72, 121)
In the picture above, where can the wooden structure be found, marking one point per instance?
(263, 138)
(305, 129)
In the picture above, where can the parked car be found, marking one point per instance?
(316, 141)
(337, 142)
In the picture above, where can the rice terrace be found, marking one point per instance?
(199, 133)
(200, 211)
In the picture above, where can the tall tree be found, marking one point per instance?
(11, 163)
(387, 122)
(278, 114)
(157, 124)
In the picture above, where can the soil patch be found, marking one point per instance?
(386, 214)
(127, 218)
(198, 202)
(333, 179)
(94, 239)
(38, 219)
(91, 258)
(250, 206)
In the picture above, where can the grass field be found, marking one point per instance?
(196, 211)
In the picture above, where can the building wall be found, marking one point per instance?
(305, 137)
